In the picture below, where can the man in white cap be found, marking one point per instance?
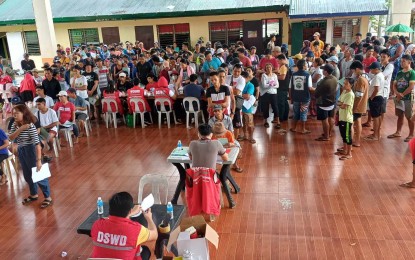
(316, 37)
(219, 54)
(333, 60)
(66, 111)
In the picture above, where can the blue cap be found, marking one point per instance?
(310, 54)
(374, 65)
(16, 100)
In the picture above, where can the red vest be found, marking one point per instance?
(163, 93)
(116, 237)
(116, 96)
(202, 191)
(137, 92)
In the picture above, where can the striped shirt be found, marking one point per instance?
(26, 137)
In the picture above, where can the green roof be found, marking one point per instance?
(14, 12)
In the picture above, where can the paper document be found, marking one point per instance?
(399, 104)
(250, 102)
(223, 141)
(67, 124)
(145, 204)
(42, 174)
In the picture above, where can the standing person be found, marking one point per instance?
(4, 154)
(27, 64)
(345, 63)
(375, 99)
(316, 76)
(29, 150)
(27, 88)
(361, 93)
(346, 101)
(325, 94)
(396, 49)
(103, 75)
(403, 87)
(357, 45)
(237, 83)
(300, 87)
(387, 70)
(247, 112)
(218, 94)
(284, 76)
(268, 90)
(121, 207)
(369, 59)
(271, 43)
(51, 85)
(92, 80)
(316, 37)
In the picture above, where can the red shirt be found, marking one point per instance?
(163, 93)
(149, 86)
(265, 60)
(118, 237)
(246, 62)
(367, 62)
(137, 92)
(65, 110)
(202, 191)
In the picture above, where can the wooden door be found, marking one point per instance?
(252, 35)
(110, 35)
(145, 34)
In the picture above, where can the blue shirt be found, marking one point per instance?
(248, 89)
(3, 138)
(214, 64)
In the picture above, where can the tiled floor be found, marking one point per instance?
(297, 200)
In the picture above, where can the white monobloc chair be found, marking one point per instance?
(158, 182)
(67, 131)
(161, 109)
(190, 109)
(5, 165)
(136, 102)
(108, 102)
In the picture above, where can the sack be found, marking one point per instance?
(239, 101)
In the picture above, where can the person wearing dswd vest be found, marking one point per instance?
(118, 236)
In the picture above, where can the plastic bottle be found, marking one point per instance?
(170, 209)
(179, 145)
(100, 206)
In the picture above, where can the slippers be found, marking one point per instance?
(339, 153)
(407, 139)
(322, 139)
(252, 141)
(407, 185)
(29, 200)
(356, 145)
(266, 125)
(292, 130)
(345, 157)
(238, 169)
(305, 132)
(395, 135)
(278, 126)
(46, 203)
(370, 138)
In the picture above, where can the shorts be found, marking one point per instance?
(300, 110)
(375, 106)
(248, 119)
(356, 116)
(408, 106)
(27, 96)
(81, 116)
(45, 134)
(324, 114)
(237, 119)
(384, 104)
(346, 132)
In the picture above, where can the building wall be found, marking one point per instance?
(199, 27)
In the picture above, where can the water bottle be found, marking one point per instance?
(179, 145)
(170, 209)
(100, 206)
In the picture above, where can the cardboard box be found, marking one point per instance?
(198, 246)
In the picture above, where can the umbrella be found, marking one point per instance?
(399, 28)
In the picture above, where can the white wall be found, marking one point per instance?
(16, 48)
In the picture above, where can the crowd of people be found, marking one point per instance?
(336, 84)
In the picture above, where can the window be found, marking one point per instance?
(31, 42)
(83, 36)
(272, 26)
(170, 33)
(344, 30)
(225, 32)
(310, 27)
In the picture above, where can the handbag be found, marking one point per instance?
(239, 101)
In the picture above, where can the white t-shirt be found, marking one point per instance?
(269, 84)
(387, 72)
(317, 71)
(238, 83)
(49, 101)
(377, 80)
(48, 118)
(79, 82)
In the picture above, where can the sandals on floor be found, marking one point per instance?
(407, 139)
(345, 157)
(252, 141)
(395, 135)
(46, 203)
(29, 200)
(305, 132)
(238, 169)
(407, 185)
(266, 125)
(278, 126)
(321, 138)
(370, 138)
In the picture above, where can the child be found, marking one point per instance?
(227, 139)
(152, 83)
(346, 118)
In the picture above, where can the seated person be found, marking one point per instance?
(194, 90)
(123, 84)
(137, 92)
(163, 91)
(132, 234)
(152, 82)
(110, 92)
(81, 113)
(66, 111)
(40, 92)
(49, 123)
(219, 116)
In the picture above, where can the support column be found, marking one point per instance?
(45, 29)
(401, 12)
(329, 31)
(14, 40)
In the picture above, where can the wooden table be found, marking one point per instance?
(159, 212)
(224, 174)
